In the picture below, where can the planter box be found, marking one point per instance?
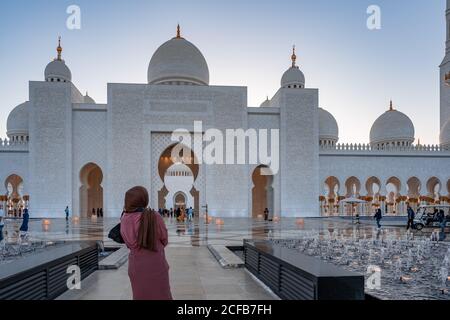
(295, 276)
(42, 276)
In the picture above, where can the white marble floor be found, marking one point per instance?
(194, 275)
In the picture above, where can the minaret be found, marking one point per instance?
(447, 16)
(445, 74)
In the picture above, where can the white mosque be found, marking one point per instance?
(64, 149)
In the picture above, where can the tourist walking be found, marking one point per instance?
(190, 212)
(26, 218)
(378, 216)
(411, 216)
(442, 224)
(145, 234)
(66, 211)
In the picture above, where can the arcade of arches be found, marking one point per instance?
(388, 195)
(13, 201)
(91, 190)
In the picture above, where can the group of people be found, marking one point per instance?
(97, 213)
(181, 214)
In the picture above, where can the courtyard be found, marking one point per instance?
(195, 273)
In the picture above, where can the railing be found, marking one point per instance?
(388, 148)
(7, 144)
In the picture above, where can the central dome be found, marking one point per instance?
(178, 61)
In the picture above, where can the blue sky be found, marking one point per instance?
(245, 42)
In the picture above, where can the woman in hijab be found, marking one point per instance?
(145, 234)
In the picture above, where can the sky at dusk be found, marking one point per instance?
(246, 43)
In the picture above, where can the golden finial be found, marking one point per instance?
(59, 49)
(178, 31)
(293, 57)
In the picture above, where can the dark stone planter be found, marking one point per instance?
(295, 276)
(42, 276)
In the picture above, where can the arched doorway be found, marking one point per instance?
(373, 188)
(434, 188)
(179, 201)
(262, 193)
(353, 187)
(178, 177)
(91, 190)
(331, 195)
(393, 187)
(414, 186)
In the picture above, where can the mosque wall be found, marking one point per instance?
(265, 118)
(50, 165)
(89, 145)
(299, 136)
(137, 111)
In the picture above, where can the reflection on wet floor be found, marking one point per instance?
(198, 233)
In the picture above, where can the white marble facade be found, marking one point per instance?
(61, 141)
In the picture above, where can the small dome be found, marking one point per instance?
(266, 103)
(57, 70)
(293, 78)
(17, 123)
(88, 99)
(444, 138)
(328, 127)
(178, 61)
(392, 127)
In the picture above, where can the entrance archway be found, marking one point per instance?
(91, 190)
(262, 193)
(179, 200)
(178, 177)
